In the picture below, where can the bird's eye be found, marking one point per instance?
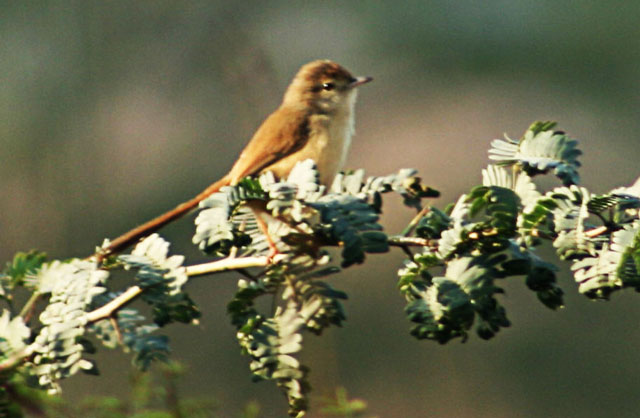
(328, 86)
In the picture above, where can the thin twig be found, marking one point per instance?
(17, 357)
(592, 233)
(27, 309)
(414, 222)
(226, 264)
(116, 328)
(400, 241)
(407, 251)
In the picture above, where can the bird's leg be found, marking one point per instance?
(264, 227)
(259, 212)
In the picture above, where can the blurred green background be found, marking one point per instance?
(113, 111)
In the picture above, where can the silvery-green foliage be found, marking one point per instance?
(450, 282)
(311, 292)
(570, 221)
(447, 306)
(624, 203)
(483, 220)
(451, 238)
(302, 217)
(272, 344)
(627, 242)
(162, 276)
(272, 341)
(131, 332)
(502, 221)
(540, 276)
(540, 150)
(211, 223)
(514, 180)
(613, 265)
(349, 220)
(155, 267)
(570, 215)
(57, 347)
(484, 237)
(299, 206)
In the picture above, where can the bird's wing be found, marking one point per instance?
(282, 133)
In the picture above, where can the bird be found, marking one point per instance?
(314, 121)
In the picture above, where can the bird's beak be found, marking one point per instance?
(358, 81)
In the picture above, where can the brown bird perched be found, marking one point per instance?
(315, 120)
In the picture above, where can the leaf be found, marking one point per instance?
(57, 347)
(540, 275)
(13, 334)
(539, 151)
(404, 182)
(534, 220)
(519, 182)
(352, 222)
(155, 267)
(214, 231)
(271, 343)
(446, 307)
(612, 267)
(162, 276)
(133, 334)
(22, 267)
(569, 219)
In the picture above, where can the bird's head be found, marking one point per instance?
(323, 86)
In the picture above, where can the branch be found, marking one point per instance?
(402, 241)
(219, 266)
(592, 233)
(233, 264)
(105, 311)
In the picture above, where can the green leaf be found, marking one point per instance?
(446, 307)
(539, 151)
(162, 276)
(23, 266)
(155, 267)
(175, 308)
(271, 343)
(540, 276)
(611, 267)
(432, 224)
(132, 334)
(542, 126)
(570, 221)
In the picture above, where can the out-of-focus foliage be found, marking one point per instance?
(150, 397)
(342, 406)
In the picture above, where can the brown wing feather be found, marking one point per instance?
(282, 133)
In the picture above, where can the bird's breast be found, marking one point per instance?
(329, 142)
(329, 138)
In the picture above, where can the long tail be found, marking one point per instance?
(148, 228)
